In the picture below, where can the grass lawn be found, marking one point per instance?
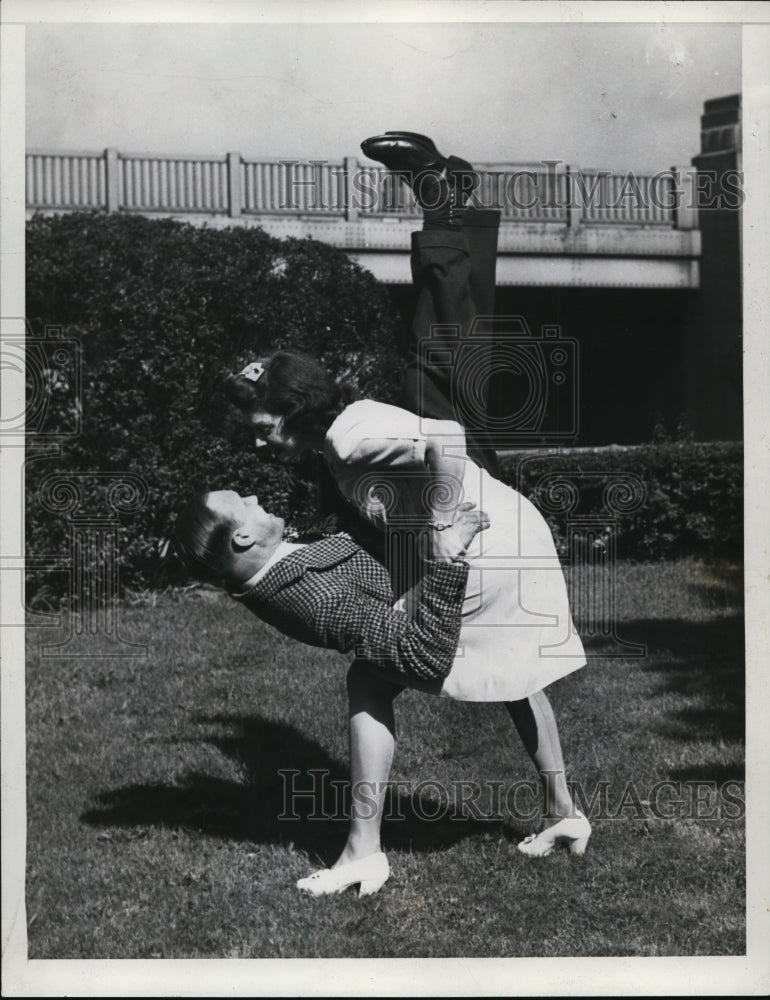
(155, 798)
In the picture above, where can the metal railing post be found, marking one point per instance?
(234, 192)
(574, 206)
(350, 166)
(111, 167)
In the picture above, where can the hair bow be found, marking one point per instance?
(254, 371)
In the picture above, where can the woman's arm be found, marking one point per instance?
(445, 459)
(370, 438)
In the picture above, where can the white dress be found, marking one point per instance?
(517, 632)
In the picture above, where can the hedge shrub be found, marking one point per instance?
(162, 310)
(692, 501)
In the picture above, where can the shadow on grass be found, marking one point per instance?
(720, 773)
(276, 760)
(703, 662)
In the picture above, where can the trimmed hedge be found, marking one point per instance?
(690, 503)
(162, 310)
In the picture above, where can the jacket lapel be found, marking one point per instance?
(319, 555)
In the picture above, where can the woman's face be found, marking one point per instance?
(268, 430)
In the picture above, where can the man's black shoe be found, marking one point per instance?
(440, 183)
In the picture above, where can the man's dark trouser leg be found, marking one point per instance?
(448, 376)
(481, 228)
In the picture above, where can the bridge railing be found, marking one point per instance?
(267, 187)
(235, 186)
(66, 180)
(156, 184)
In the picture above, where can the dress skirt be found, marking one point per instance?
(517, 632)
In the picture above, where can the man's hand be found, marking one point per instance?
(449, 544)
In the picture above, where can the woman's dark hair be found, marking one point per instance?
(294, 386)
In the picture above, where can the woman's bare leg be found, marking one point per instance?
(372, 732)
(536, 725)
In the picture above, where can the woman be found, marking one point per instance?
(407, 474)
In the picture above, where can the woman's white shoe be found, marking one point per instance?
(371, 872)
(573, 830)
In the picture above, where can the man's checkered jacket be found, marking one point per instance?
(332, 593)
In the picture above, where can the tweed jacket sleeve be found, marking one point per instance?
(423, 646)
(334, 594)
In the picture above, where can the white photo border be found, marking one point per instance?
(731, 975)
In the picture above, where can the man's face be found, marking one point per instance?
(252, 519)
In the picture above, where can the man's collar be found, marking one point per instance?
(292, 565)
(283, 549)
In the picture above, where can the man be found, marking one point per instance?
(331, 592)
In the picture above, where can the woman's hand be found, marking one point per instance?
(445, 459)
(449, 544)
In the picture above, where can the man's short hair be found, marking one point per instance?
(203, 539)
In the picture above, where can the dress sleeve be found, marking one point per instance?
(376, 434)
